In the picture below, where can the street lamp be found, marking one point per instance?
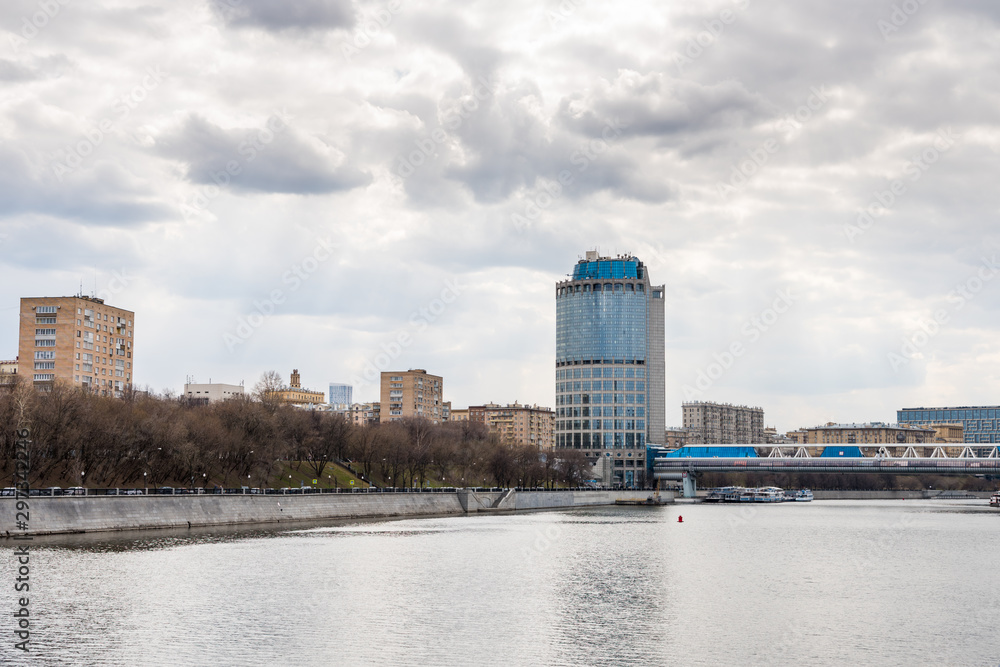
(145, 487)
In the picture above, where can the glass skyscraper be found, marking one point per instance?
(340, 394)
(610, 365)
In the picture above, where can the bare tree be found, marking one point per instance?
(267, 388)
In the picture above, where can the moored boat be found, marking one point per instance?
(803, 496)
(769, 494)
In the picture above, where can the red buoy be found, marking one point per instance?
(680, 519)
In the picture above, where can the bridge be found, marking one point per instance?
(686, 462)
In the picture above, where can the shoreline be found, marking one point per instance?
(90, 514)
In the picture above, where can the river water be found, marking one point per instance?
(824, 583)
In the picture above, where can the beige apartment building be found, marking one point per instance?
(78, 340)
(412, 393)
(950, 433)
(875, 433)
(364, 414)
(675, 437)
(518, 424)
(723, 423)
(459, 415)
(8, 372)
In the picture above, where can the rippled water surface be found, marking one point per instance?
(826, 583)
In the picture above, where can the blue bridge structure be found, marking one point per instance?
(686, 463)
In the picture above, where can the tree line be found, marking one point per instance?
(149, 439)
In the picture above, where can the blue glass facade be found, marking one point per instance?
(602, 321)
(980, 424)
(340, 393)
(603, 350)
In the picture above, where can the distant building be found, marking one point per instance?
(78, 340)
(213, 392)
(772, 437)
(675, 437)
(294, 394)
(8, 372)
(979, 424)
(459, 415)
(412, 393)
(796, 437)
(517, 424)
(446, 411)
(723, 423)
(364, 414)
(341, 394)
(875, 433)
(949, 433)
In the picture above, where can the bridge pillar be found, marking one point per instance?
(690, 486)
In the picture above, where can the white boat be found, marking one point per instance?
(769, 494)
(802, 496)
(995, 499)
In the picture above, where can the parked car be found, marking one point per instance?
(75, 491)
(52, 491)
(167, 490)
(134, 492)
(9, 491)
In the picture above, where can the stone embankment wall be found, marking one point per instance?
(101, 513)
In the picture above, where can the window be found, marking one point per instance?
(45, 332)
(45, 355)
(45, 309)
(45, 343)
(44, 377)
(45, 320)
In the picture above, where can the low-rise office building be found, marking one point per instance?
(213, 392)
(979, 424)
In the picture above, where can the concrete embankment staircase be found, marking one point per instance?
(505, 501)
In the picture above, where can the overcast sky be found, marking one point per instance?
(311, 188)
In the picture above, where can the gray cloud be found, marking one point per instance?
(271, 158)
(552, 92)
(106, 195)
(303, 15)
